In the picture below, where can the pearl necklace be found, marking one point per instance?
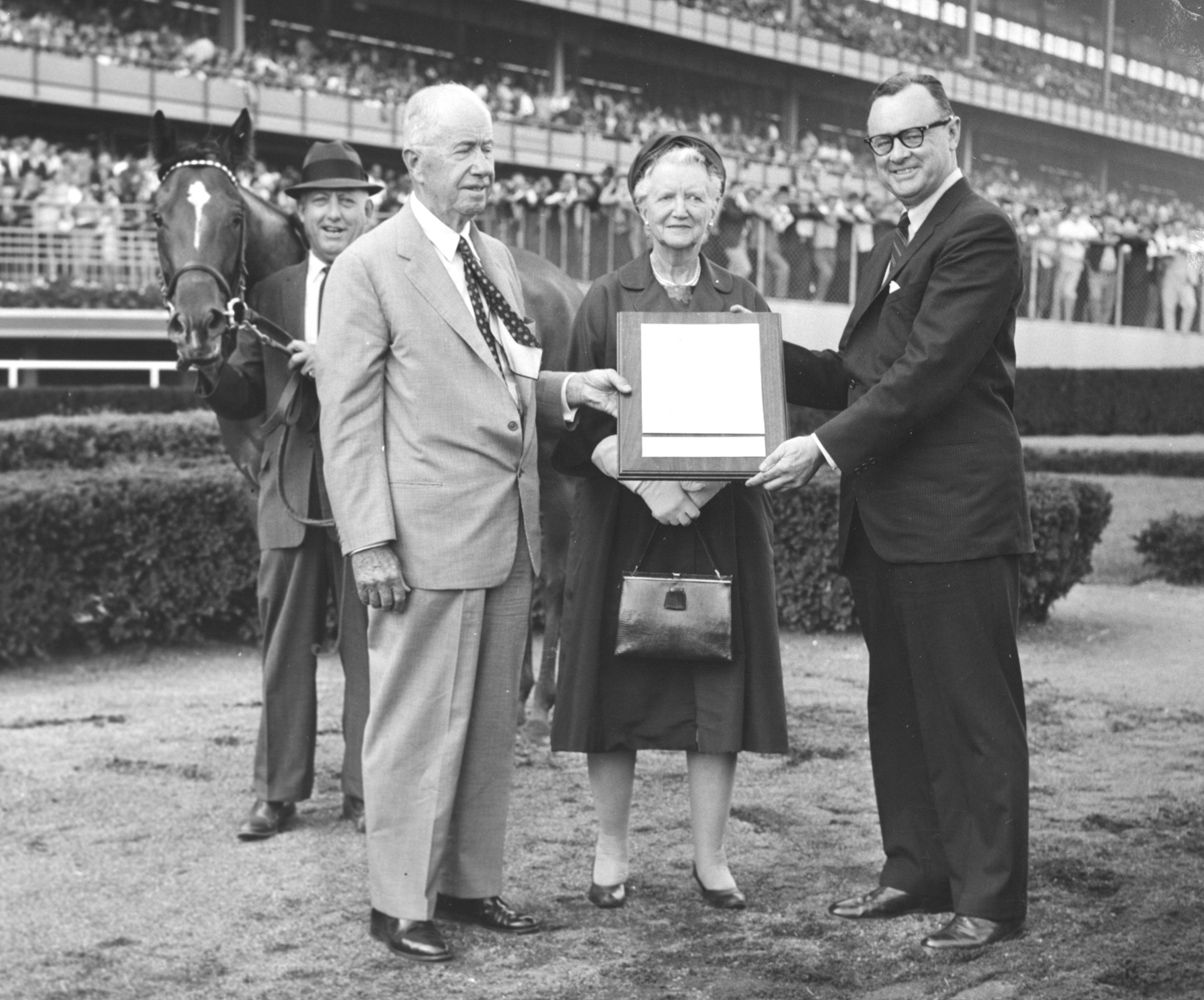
(669, 283)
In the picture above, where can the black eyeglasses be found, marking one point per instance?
(912, 138)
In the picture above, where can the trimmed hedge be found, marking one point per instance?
(95, 441)
(1174, 546)
(1060, 401)
(64, 293)
(812, 596)
(157, 555)
(167, 554)
(35, 401)
(1068, 516)
(1110, 401)
(1184, 464)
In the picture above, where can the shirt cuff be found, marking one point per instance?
(365, 548)
(824, 451)
(568, 413)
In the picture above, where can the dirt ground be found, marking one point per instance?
(123, 777)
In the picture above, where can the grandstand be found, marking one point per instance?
(1095, 102)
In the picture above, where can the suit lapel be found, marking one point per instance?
(870, 285)
(430, 278)
(940, 212)
(292, 308)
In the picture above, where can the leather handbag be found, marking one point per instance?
(675, 616)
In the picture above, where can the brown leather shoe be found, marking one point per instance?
(885, 902)
(492, 912)
(353, 809)
(962, 933)
(417, 940)
(266, 819)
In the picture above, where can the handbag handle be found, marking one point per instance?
(705, 548)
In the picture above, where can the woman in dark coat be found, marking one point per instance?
(611, 707)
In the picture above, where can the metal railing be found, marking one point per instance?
(797, 263)
(93, 255)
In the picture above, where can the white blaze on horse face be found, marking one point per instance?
(198, 197)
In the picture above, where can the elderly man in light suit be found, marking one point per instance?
(430, 385)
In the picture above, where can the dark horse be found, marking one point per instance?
(216, 240)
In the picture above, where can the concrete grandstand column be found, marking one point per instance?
(790, 117)
(232, 25)
(971, 31)
(556, 63)
(1109, 48)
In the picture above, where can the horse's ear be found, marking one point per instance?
(239, 142)
(163, 138)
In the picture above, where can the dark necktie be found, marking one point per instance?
(479, 286)
(321, 292)
(900, 244)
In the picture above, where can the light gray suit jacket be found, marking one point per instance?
(425, 447)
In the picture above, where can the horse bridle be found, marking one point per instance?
(235, 303)
(239, 315)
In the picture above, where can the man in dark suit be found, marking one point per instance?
(933, 521)
(300, 562)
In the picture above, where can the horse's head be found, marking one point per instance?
(201, 220)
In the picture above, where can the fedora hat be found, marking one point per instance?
(333, 165)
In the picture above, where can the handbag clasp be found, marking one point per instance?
(675, 598)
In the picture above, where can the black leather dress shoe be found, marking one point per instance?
(721, 899)
(417, 940)
(607, 897)
(884, 902)
(962, 933)
(492, 912)
(266, 819)
(353, 809)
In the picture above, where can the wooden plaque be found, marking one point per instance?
(708, 396)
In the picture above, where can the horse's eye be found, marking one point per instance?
(158, 219)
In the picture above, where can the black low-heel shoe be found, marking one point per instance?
(721, 899)
(607, 897)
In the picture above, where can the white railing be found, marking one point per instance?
(153, 368)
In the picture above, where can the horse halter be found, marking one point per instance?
(234, 302)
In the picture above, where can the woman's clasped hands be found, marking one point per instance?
(670, 501)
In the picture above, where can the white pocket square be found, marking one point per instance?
(894, 287)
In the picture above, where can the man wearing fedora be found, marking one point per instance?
(300, 562)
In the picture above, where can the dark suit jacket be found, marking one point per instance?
(249, 386)
(925, 380)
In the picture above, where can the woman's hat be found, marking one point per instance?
(333, 165)
(667, 140)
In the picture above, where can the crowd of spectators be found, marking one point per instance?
(807, 238)
(1092, 256)
(883, 31)
(277, 55)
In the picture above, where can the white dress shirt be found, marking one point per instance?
(313, 289)
(514, 356)
(447, 242)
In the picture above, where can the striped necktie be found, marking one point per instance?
(899, 245)
(480, 287)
